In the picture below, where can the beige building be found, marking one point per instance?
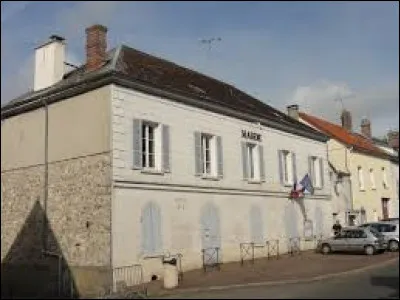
(111, 167)
(372, 190)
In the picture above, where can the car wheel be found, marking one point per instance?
(393, 246)
(325, 249)
(369, 250)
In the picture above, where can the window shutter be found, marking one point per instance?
(310, 169)
(137, 144)
(262, 167)
(220, 158)
(165, 149)
(245, 161)
(197, 154)
(280, 160)
(321, 170)
(294, 169)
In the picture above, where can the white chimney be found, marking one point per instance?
(49, 63)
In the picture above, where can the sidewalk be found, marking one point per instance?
(306, 265)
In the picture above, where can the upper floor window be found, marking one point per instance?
(316, 172)
(150, 146)
(208, 155)
(253, 161)
(360, 178)
(287, 167)
(384, 178)
(372, 178)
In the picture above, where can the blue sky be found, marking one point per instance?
(307, 53)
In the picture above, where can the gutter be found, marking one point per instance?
(110, 77)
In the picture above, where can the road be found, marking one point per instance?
(379, 283)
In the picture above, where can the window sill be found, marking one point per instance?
(374, 188)
(362, 190)
(287, 184)
(254, 181)
(210, 177)
(152, 172)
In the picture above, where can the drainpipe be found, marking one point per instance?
(351, 182)
(46, 175)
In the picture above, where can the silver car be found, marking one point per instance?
(389, 230)
(354, 239)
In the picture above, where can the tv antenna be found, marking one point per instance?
(210, 41)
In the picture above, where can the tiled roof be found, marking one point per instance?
(159, 73)
(357, 141)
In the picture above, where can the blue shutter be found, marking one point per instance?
(210, 227)
(220, 158)
(165, 149)
(198, 166)
(321, 169)
(151, 229)
(137, 144)
(245, 161)
(256, 225)
(280, 163)
(294, 169)
(262, 166)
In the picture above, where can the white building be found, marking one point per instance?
(164, 160)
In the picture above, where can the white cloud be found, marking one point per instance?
(378, 103)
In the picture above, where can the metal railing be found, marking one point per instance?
(128, 277)
(272, 248)
(210, 258)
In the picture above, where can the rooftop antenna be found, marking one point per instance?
(210, 41)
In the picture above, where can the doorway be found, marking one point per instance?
(385, 208)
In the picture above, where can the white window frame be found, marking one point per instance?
(151, 161)
(287, 167)
(208, 143)
(316, 172)
(360, 174)
(253, 162)
(372, 178)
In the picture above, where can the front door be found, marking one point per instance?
(385, 208)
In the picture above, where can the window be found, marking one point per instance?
(384, 177)
(360, 178)
(287, 166)
(207, 151)
(253, 162)
(372, 179)
(150, 146)
(315, 166)
(208, 155)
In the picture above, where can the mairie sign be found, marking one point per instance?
(251, 135)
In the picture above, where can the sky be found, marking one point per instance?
(308, 53)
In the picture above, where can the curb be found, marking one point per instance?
(270, 283)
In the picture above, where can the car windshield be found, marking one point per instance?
(375, 232)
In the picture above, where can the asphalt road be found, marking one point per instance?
(379, 283)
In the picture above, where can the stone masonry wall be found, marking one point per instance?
(78, 213)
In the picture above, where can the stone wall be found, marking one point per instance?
(78, 214)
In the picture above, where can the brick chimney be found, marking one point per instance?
(346, 120)
(293, 111)
(366, 128)
(96, 46)
(393, 139)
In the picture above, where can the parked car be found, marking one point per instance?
(389, 230)
(354, 239)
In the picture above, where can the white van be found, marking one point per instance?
(390, 232)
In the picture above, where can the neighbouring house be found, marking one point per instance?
(130, 157)
(364, 169)
(391, 146)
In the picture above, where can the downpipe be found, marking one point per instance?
(46, 177)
